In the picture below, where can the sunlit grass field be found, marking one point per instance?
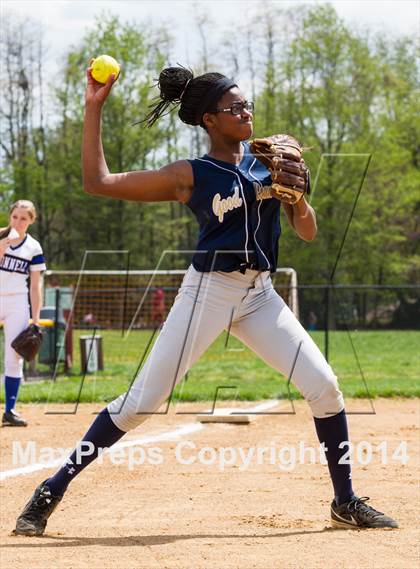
(380, 363)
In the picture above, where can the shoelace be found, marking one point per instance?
(360, 504)
(45, 498)
(43, 501)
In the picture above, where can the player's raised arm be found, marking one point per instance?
(171, 183)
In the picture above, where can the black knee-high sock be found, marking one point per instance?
(332, 431)
(102, 433)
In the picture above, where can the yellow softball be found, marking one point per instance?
(103, 66)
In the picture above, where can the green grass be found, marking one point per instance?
(389, 361)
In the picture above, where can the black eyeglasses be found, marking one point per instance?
(237, 108)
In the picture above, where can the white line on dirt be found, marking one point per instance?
(145, 440)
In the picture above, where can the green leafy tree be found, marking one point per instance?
(334, 91)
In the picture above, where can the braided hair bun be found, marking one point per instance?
(172, 84)
(179, 87)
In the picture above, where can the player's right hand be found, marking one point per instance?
(4, 243)
(96, 93)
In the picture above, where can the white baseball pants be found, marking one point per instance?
(205, 306)
(14, 312)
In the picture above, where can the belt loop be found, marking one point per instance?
(257, 276)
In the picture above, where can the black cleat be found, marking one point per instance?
(33, 519)
(356, 514)
(13, 419)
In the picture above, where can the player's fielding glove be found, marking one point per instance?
(282, 154)
(28, 342)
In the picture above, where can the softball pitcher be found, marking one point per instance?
(21, 260)
(228, 283)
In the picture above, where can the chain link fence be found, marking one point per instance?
(139, 299)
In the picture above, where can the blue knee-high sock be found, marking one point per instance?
(332, 431)
(102, 433)
(11, 387)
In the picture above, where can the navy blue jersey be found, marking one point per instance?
(239, 220)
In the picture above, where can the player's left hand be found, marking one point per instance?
(289, 172)
(282, 155)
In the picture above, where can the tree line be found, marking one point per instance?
(349, 96)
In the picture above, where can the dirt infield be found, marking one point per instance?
(270, 514)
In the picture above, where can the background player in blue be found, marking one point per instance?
(228, 282)
(21, 260)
